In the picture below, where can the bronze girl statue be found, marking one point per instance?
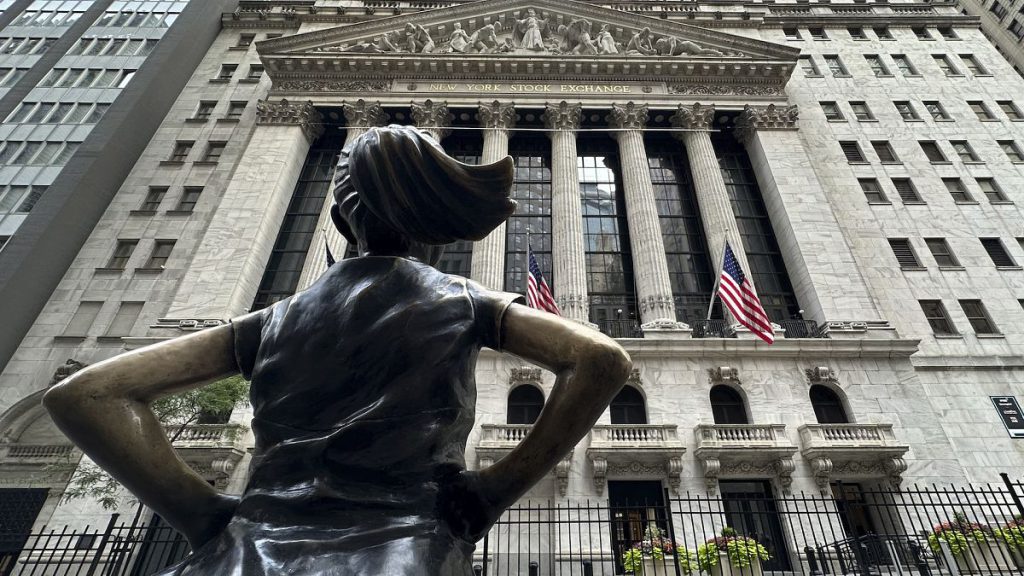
(363, 390)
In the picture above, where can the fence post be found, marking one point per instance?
(588, 568)
(534, 568)
(839, 557)
(1013, 492)
(486, 552)
(672, 531)
(103, 545)
(478, 570)
(812, 562)
(917, 554)
(860, 556)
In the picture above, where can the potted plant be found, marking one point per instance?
(975, 547)
(648, 556)
(729, 554)
(1013, 535)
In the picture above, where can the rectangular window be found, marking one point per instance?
(935, 108)
(809, 67)
(932, 151)
(227, 71)
(12, 77)
(992, 191)
(817, 33)
(872, 191)
(973, 65)
(1017, 29)
(904, 65)
(981, 110)
(235, 110)
(964, 151)
(26, 153)
(862, 111)
(3, 241)
(906, 110)
(122, 253)
(1012, 151)
(997, 252)
(942, 253)
(47, 152)
(189, 197)
(245, 40)
(957, 190)
(883, 33)
(832, 111)
(214, 151)
(29, 202)
(10, 200)
(161, 252)
(125, 319)
(792, 34)
(97, 113)
(82, 321)
(945, 65)
(41, 112)
(60, 112)
(885, 152)
(904, 253)
(857, 33)
(877, 66)
(937, 317)
(180, 152)
(852, 152)
(205, 110)
(154, 197)
(835, 65)
(905, 188)
(922, 33)
(948, 33)
(255, 72)
(20, 113)
(1010, 109)
(978, 317)
(115, 46)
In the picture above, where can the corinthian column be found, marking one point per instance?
(653, 286)
(432, 118)
(488, 265)
(568, 256)
(359, 117)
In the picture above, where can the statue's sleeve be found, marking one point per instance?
(489, 308)
(248, 331)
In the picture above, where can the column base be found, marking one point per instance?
(667, 329)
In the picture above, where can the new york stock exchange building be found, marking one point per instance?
(862, 160)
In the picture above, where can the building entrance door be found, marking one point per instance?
(634, 507)
(19, 508)
(750, 509)
(866, 545)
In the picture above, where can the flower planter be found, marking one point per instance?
(725, 567)
(987, 556)
(664, 567)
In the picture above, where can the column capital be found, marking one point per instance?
(696, 117)
(563, 116)
(363, 114)
(628, 116)
(432, 115)
(285, 113)
(501, 115)
(770, 117)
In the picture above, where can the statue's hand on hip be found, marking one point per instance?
(212, 519)
(466, 508)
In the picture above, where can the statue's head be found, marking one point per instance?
(530, 12)
(458, 26)
(397, 193)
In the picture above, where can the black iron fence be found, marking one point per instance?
(744, 530)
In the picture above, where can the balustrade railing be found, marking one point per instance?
(620, 328)
(802, 329)
(502, 434)
(200, 435)
(822, 435)
(740, 435)
(712, 329)
(630, 435)
(35, 451)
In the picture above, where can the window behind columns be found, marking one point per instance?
(606, 238)
(531, 152)
(681, 228)
(768, 269)
(281, 276)
(465, 146)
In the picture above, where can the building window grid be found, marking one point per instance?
(942, 253)
(235, 110)
(883, 33)
(161, 252)
(832, 111)
(998, 253)
(835, 65)
(904, 253)
(852, 152)
(189, 198)
(878, 67)
(991, 189)
(922, 33)
(957, 190)
(883, 149)
(906, 110)
(226, 71)
(1012, 151)
(978, 317)
(809, 67)
(945, 65)
(861, 111)
(531, 189)
(936, 109)
(1010, 109)
(124, 319)
(82, 320)
(964, 151)
(817, 33)
(458, 256)
(973, 65)
(872, 191)
(981, 110)
(904, 65)
(906, 191)
(214, 150)
(181, 151)
(856, 33)
(932, 151)
(204, 110)
(122, 253)
(255, 72)
(155, 195)
(937, 317)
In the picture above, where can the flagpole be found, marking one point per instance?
(718, 277)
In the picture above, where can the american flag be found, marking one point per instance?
(737, 292)
(538, 294)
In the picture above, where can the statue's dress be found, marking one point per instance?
(363, 395)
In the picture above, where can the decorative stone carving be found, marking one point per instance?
(822, 467)
(600, 474)
(562, 475)
(563, 116)
(895, 467)
(606, 42)
(432, 117)
(724, 375)
(820, 375)
(417, 39)
(66, 370)
(770, 117)
(497, 115)
(674, 468)
(362, 114)
(524, 375)
(694, 117)
(529, 33)
(846, 326)
(574, 304)
(334, 85)
(640, 43)
(724, 90)
(576, 37)
(628, 116)
(784, 468)
(285, 113)
(712, 469)
(634, 378)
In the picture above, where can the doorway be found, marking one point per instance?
(855, 514)
(750, 509)
(634, 506)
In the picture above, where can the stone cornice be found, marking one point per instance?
(628, 116)
(563, 116)
(285, 113)
(694, 117)
(770, 117)
(362, 114)
(497, 115)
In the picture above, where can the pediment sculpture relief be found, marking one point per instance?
(530, 35)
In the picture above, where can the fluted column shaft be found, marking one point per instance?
(488, 263)
(650, 266)
(568, 255)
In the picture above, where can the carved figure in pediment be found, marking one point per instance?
(529, 32)
(417, 39)
(669, 46)
(485, 39)
(605, 41)
(640, 43)
(576, 37)
(459, 40)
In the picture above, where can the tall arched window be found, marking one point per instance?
(828, 407)
(727, 406)
(628, 407)
(524, 405)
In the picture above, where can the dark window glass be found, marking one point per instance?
(978, 317)
(937, 317)
(932, 151)
(873, 191)
(942, 253)
(905, 188)
(904, 253)
(727, 406)
(628, 407)
(828, 408)
(466, 147)
(852, 151)
(189, 197)
(884, 151)
(161, 252)
(997, 252)
(957, 190)
(524, 405)
(153, 199)
(531, 190)
(122, 252)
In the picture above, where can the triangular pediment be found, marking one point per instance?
(533, 36)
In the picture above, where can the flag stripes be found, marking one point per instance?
(737, 293)
(538, 294)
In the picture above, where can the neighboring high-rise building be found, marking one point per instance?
(863, 160)
(1002, 22)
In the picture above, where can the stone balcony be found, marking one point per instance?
(212, 450)
(744, 450)
(37, 455)
(497, 440)
(636, 450)
(852, 451)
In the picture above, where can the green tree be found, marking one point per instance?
(176, 413)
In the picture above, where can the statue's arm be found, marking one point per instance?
(105, 410)
(590, 368)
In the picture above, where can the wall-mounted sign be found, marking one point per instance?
(1009, 410)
